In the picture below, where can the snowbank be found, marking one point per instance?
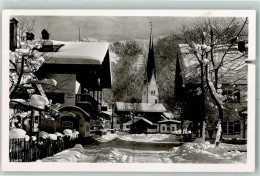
(135, 137)
(75, 154)
(107, 137)
(206, 153)
(144, 137)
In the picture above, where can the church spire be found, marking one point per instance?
(150, 69)
(151, 36)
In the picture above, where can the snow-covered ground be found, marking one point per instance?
(108, 151)
(208, 153)
(138, 137)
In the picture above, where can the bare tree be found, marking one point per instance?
(212, 43)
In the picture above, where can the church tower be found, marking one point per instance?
(150, 89)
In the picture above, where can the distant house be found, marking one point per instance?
(82, 70)
(145, 118)
(168, 126)
(126, 127)
(232, 83)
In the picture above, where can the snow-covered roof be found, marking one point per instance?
(145, 120)
(107, 112)
(25, 105)
(79, 53)
(140, 107)
(136, 118)
(169, 115)
(169, 121)
(233, 69)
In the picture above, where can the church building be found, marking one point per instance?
(148, 116)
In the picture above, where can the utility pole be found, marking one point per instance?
(79, 34)
(112, 120)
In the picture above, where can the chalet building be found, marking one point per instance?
(169, 126)
(232, 83)
(82, 70)
(140, 117)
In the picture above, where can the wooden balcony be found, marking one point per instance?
(87, 102)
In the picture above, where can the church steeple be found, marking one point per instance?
(150, 89)
(150, 69)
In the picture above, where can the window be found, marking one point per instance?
(237, 127)
(231, 127)
(224, 127)
(67, 124)
(36, 119)
(173, 128)
(155, 101)
(163, 128)
(144, 92)
(56, 97)
(168, 129)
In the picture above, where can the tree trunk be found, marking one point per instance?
(220, 109)
(13, 92)
(203, 97)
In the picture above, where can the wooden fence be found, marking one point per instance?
(21, 150)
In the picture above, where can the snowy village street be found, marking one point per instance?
(155, 148)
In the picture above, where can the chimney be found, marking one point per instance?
(29, 36)
(13, 34)
(45, 34)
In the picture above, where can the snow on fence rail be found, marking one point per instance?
(21, 150)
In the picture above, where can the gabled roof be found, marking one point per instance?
(145, 120)
(169, 121)
(79, 53)
(140, 107)
(234, 69)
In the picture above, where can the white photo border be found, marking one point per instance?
(135, 167)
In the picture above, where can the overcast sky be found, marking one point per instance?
(106, 28)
